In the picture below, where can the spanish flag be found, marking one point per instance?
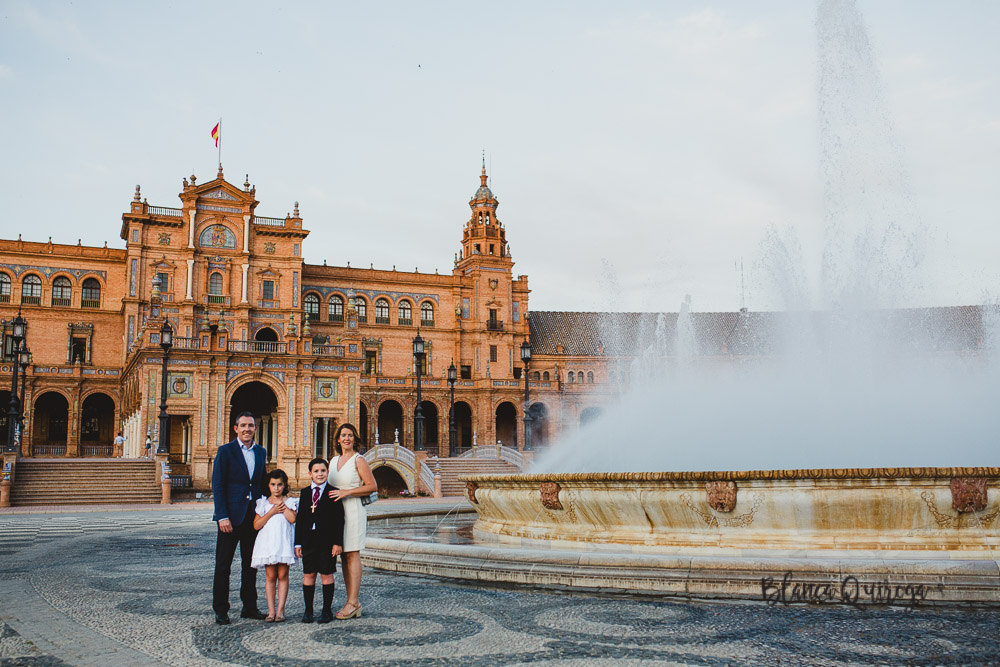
(216, 131)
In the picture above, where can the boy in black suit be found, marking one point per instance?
(319, 539)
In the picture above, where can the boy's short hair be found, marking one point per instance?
(318, 459)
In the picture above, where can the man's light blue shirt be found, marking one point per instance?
(248, 456)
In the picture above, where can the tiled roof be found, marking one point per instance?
(750, 333)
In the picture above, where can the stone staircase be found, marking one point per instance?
(452, 469)
(84, 482)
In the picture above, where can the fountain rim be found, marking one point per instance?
(742, 475)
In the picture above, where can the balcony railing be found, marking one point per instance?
(494, 325)
(269, 222)
(90, 303)
(381, 320)
(312, 317)
(405, 322)
(48, 450)
(31, 300)
(329, 350)
(363, 319)
(268, 303)
(427, 323)
(336, 317)
(163, 210)
(257, 346)
(4, 298)
(57, 301)
(217, 299)
(182, 343)
(104, 451)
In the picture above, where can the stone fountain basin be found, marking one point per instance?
(941, 512)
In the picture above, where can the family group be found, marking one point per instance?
(254, 511)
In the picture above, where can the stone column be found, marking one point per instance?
(243, 292)
(190, 280)
(191, 215)
(246, 234)
(326, 437)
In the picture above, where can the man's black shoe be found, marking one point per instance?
(255, 614)
(325, 617)
(307, 617)
(222, 619)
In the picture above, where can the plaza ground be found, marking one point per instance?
(118, 585)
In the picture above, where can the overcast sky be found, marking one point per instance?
(637, 149)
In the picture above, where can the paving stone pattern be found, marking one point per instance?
(128, 587)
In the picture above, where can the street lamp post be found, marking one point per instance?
(166, 342)
(24, 359)
(418, 355)
(13, 420)
(452, 440)
(526, 358)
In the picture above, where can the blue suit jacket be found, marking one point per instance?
(232, 488)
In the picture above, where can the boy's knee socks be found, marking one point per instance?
(308, 592)
(327, 597)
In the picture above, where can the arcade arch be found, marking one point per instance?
(506, 424)
(390, 421)
(256, 397)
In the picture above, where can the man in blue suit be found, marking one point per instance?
(237, 479)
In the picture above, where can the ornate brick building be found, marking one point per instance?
(255, 327)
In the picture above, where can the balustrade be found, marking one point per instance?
(257, 346)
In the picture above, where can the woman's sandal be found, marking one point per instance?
(354, 613)
(269, 619)
(279, 619)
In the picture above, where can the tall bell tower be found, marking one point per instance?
(484, 239)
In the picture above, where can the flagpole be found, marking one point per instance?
(220, 143)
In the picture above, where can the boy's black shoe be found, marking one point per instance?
(255, 614)
(325, 617)
(222, 619)
(307, 617)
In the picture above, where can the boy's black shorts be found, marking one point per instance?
(318, 559)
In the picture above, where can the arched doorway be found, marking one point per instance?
(97, 423)
(431, 438)
(363, 426)
(390, 483)
(258, 398)
(390, 421)
(463, 425)
(539, 425)
(266, 335)
(507, 424)
(589, 414)
(50, 425)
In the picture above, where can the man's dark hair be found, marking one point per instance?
(245, 413)
(318, 459)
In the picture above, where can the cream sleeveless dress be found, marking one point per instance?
(355, 516)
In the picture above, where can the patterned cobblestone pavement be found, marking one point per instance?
(134, 587)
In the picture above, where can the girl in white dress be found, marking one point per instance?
(353, 478)
(274, 548)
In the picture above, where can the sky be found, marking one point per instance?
(640, 151)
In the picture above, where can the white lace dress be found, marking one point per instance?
(355, 516)
(276, 540)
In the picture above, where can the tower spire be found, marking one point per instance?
(482, 176)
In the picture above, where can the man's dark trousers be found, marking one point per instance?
(225, 548)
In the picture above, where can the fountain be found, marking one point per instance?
(850, 442)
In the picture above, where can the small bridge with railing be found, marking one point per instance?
(433, 473)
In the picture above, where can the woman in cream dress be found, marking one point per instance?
(352, 477)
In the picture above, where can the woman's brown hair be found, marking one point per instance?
(336, 438)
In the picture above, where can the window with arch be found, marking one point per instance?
(537, 376)
(90, 296)
(571, 377)
(405, 313)
(62, 291)
(362, 307)
(335, 308)
(590, 377)
(382, 311)
(545, 376)
(31, 290)
(426, 314)
(215, 284)
(311, 304)
(4, 288)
